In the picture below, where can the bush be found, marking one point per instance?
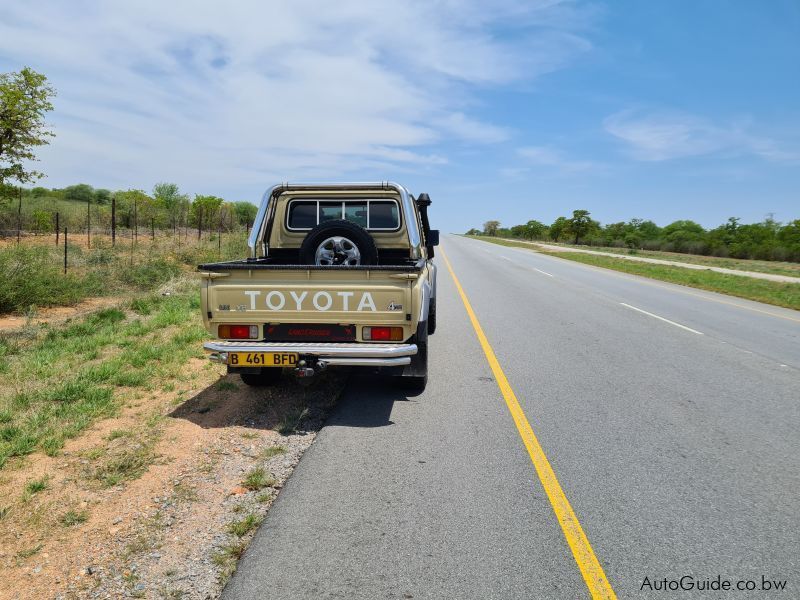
(721, 251)
(42, 221)
(31, 276)
(81, 192)
(150, 274)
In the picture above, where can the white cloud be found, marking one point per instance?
(661, 136)
(460, 125)
(232, 97)
(555, 160)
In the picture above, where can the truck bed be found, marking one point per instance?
(273, 264)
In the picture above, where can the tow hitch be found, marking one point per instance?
(306, 369)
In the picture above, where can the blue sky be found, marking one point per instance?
(510, 110)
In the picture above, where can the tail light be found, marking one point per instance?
(238, 332)
(383, 334)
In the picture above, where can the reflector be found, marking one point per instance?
(238, 332)
(383, 334)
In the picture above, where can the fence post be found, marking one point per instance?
(113, 220)
(65, 250)
(88, 224)
(57, 228)
(19, 215)
(153, 229)
(219, 235)
(199, 221)
(135, 222)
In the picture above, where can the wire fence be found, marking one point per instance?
(19, 218)
(66, 243)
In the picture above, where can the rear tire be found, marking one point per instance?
(265, 378)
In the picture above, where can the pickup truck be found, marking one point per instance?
(338, 275)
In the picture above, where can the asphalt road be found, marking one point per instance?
(674, 434)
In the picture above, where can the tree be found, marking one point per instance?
(647, 229)
(245, 212)
(25, 97)
(683, 230)
(633, 239)
(789, 236)
(102, 196)
(534, 230)
(169, 197)
(517, 231)
(558, 228)
(473, 231)
(580, 224)
(681, 233)
(207, 208)
(81, 192)
(490, 227)
(134, 203)
(613, 232)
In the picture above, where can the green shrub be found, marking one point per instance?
(148, 275)
(31, 276)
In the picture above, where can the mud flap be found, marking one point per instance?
(419, 362)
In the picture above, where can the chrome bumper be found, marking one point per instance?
(352, 354)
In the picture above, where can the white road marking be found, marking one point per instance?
(649, 314)
(534, 268)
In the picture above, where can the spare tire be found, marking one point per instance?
(338, 243)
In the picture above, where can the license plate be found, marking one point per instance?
(262, 359)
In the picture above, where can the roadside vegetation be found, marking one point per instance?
(739, 264)
(120, 444)
(771, 292)
(58, 380)
(129, 465)
(32, 276)
(768, 240)
(120, 447)
(164, 208)
(791, 269)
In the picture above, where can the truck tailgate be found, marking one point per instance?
(312, 296)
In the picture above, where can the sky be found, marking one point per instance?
(663, 110)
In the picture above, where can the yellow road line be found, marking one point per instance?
(590, 568)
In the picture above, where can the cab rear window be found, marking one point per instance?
(373, 215)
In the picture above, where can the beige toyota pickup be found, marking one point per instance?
(338, 275)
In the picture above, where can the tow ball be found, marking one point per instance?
(307, 369)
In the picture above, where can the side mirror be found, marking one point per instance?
(432, 237)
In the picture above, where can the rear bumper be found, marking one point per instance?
(350, 354)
